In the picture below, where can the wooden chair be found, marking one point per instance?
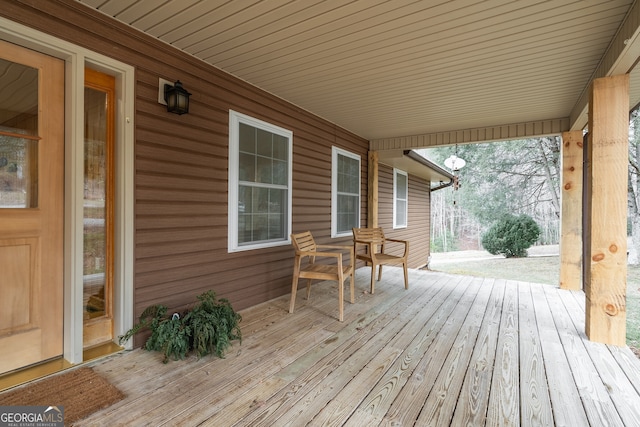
(372, 238)
(306, 247)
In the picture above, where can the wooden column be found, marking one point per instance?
(372, 193)
(606, 202)
(571, 211)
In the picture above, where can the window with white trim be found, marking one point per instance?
(345, 192)
(259, 183)
(400, 198)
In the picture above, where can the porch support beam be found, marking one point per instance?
(606, 207)
(505, 132)
(372, 193)
(571, 211)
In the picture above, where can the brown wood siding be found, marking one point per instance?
(419, 216)
(181, 165)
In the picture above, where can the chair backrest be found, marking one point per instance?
(303, 242)
(369, 234)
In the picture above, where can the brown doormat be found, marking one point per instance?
(80, 391)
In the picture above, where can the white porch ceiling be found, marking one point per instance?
(385, 69)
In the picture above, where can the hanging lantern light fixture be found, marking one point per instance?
(454, 163)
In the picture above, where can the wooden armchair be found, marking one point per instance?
(373, 239)
(306, 247)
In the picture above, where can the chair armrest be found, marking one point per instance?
(369, 242)
(316, 254)
(343, 247)
(321, 254)
(404, 242)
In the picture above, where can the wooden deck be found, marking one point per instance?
(452, 350)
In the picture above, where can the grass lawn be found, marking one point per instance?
(544, 269)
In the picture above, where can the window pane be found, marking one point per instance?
(247, 167)
(348, 175)
(265, 143)
(280, 147)
(245, 201)
(18, 156)
(347, 212)
(244, 228)
(278, 214)
(265, 167)
(261, 200)
(95, 196)
(401, 213)
(280, 175)
(19, 104)
(353, 166)
(18, 172)
(247, 139)
(276, 226)
(401, 190)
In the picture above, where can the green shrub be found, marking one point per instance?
(511, 236)
(208, 328)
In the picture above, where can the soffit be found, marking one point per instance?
(385, 69)
(415, 164)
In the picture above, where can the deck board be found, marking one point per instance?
(504, 401)
(473, 402)
(451, 350)
(535, 403)
(593, 392)
(566, 404)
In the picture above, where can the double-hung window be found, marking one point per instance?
(345, 192)
(259, 183)
(400, 198)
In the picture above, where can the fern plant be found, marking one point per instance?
(214, 325)
(208, 328)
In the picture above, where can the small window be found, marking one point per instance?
(259, 183)
(400, 198)
(345, 192)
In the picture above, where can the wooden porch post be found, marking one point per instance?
(571, 211)
(606, 204)
(372, 193)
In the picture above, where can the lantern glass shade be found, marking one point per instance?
(177, 98)
(454, 163)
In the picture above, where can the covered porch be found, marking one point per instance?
(452, 350)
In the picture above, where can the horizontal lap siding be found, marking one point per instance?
(418, 229)
(181, 165)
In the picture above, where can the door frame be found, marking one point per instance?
(76, 59)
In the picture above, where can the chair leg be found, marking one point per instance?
(379, 272)
(294, 288)
(406, 275)
(373, 275)
(352, 286)
(341, 298)
(308, 289)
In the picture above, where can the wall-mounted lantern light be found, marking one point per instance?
(177, 98)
